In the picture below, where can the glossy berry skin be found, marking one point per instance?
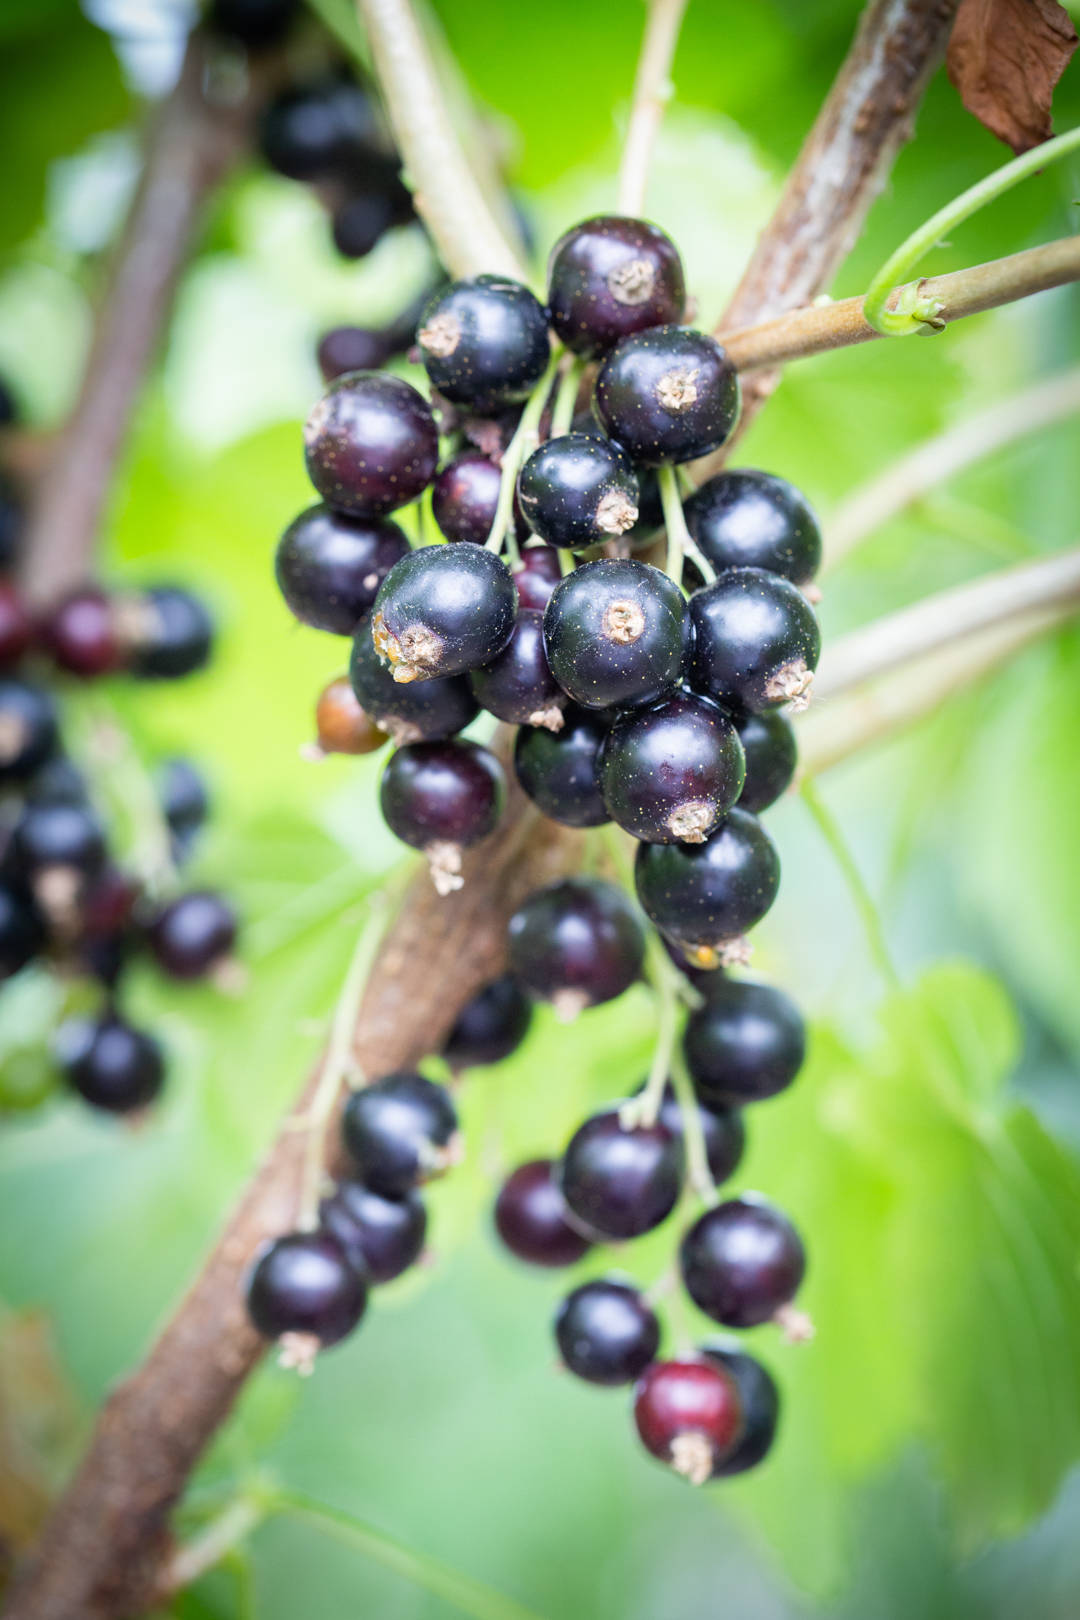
(21, 933)
(304, 1284)
(722, 1129)
(465, 495)
(530, 1217)
(183, 796)
(449, 792)
(559, 770)
(536, 582)
(612, 276)
(173, 634)
(670, 773)
(16, 626)
(370, 444)
(578, 490)
(341, 725)
(756, 640)
(606, 1333)
(619, 1183)
(351, 348)
(444, 610)
(417, 711)
(517, 686)
(688, 1414)
(490, 1026)
(576, 943)
(667, 395)
(319, 130)
(750, 519)
(484, 342)
(112, 1065)
(329, 566)
(28, 730)
(771, 757)
(742, 1261)
(706, 894)
(401, 1131)
(616, 634)
(193, 934)
(759, 1399)
(382, 1237)
(58, 835)
(747, 1042)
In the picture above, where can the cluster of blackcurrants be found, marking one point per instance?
(652, 698)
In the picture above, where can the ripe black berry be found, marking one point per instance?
(530, 1217)
(560, 770)
(707, 894)
(80, 634)
(417, 711)
(442, 797)
(465, 495)
(490, 1026)
(319, 130)
(59, 781)
(610, 277)
(16, 626)
(688, 1414)
(50, 836)
(110, 1064)
(184, 800)
(576, 943)
(742, 1261)
(620, 1182)
(21, 933)
(444, 610)
(668, 395)
(103, 926)
(771, 757)
(341, 725)
(28, 731)
(360, 222)
(11, 522)
(401, 1131)
(381, 1237)
(304, 1289)
(606, 1332)
(616, 634)
(371, 444)
(537, 579)
(747, 1042)
(759, 1399)
(254, 23)
(518, 686)
(756, 642)
(351, 348)
(669, 773)
(721, 1127)
(329, 566)
(169, 631)
(578, 490)
(484, 342)
(749, 519)
(193, 935)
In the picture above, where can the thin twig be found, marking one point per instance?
(652, 91)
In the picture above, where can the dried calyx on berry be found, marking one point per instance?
(484, 342)
(442, 611)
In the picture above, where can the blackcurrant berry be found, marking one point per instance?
(484, 342)
(749, 519)
(341, 725)
(318, 130)
(444, 610)
(606, 1332)
(759, 1399)
(104, 932)
(193, 935)
(742, 1261)
(304, 1290)
(517, 686)
(80, 634)
(254, 23)
(688, 1414)
(706, 895)
(442, 797)
(52, 836)
(59, 781)
(169, 633)
(667, 395)
(351, 348)
(418, 711)
(382, 1237)
(670, 773)
(530, 1217)
(329, 566)
(28, 730)
(576, 944)
(756, 642)
(16, 626)
(616, 634)
(491, 1025)
(11, 523)
(537, 579)
(110, 1064)
(360, 222)
(771, 757)
(21, 933)
(578, 490)
(610, 277)
(560, 770)
(619, 1182)
(184, 799)
(371, 444)
(401, 1131)
(722, 1129)
(745, 1043)
(465, 495)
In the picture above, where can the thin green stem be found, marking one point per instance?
(563, 410)
(526, 438)
(643, 1109)
(119, 774)
(915, 312)
(863, 900)
(218, 1540)
(680, 542)
(698, 1174)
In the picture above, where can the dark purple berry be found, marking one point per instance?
(722, 1129)
(667, 395)
(413, 711)
(756, 640)
(303, 1286)
(747, 1042)
(742, 1262)
(559, 770)
(254, 23)
(80, 634)
(444, 610)
(59, 781)
(28, 730)
(381, 1237)
(576, 944)
(578, 490)
(112, 1065)
(184, 799)
(610, 277)
(465, 495)
(606, 1332)
(371, 444)
(442, 797)
(706, 895)
(104, 931)
(401, 1131)
(616, 634)
(771, 757)
(319, 130)
(360, 222)
(537, 579)
(11, 523)
(670, 773)
(169, 633)
(491, 1025)
(688, 1414)
(530, 1217)
(749, 519)
(484, 342)
(517, 686)
(193, 935)
(16, 626)
(329, 566)
(21, 933)
(51, 836)
(351, 348)
(759, 1399)
(619, 1182)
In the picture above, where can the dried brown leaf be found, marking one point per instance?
(1005, 58)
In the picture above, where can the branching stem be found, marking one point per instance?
(526, 438)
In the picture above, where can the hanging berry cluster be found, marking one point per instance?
(652, 698)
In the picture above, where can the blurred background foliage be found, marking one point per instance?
(927, 1459)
